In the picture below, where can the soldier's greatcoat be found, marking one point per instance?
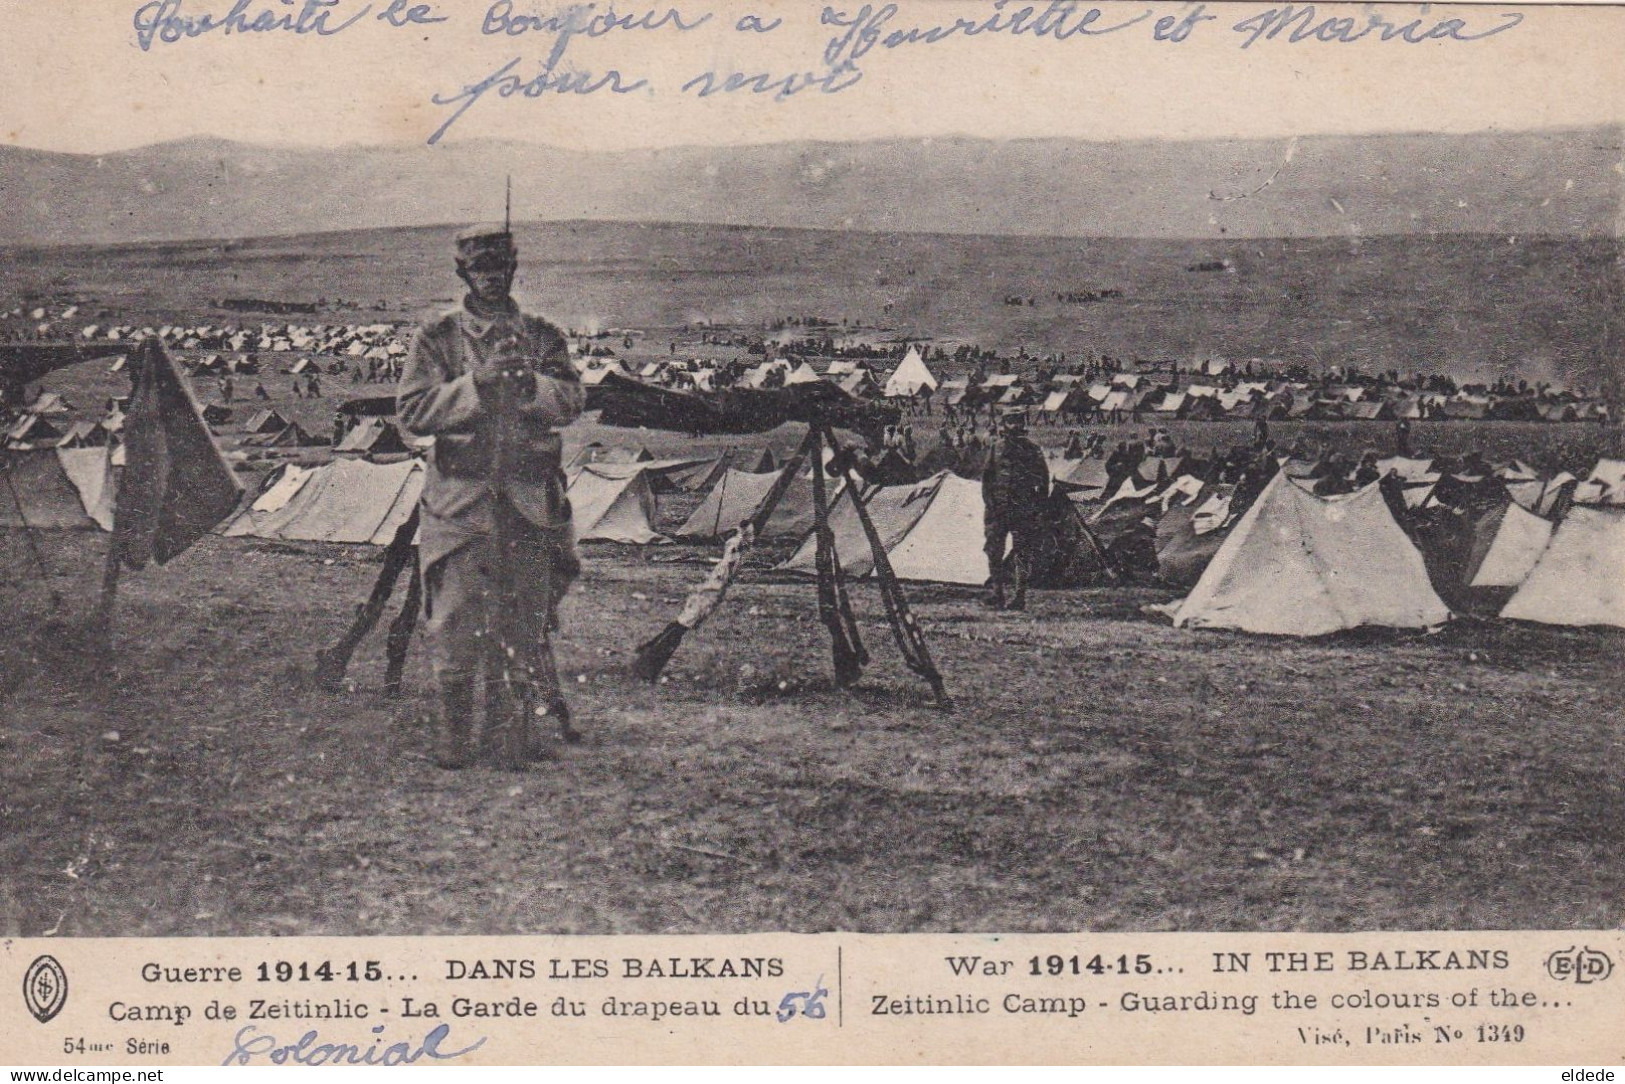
(437, 398)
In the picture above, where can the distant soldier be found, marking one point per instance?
(492, 385)
(1015, 485)
(1367, 472)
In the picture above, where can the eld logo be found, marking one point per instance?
(45, 988)
(1579, 965)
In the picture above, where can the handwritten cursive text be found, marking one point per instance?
(312, 1050)
(164, 20)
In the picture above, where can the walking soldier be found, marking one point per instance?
(492, 385)
(1015, 486)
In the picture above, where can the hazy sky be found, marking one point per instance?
(74, 77)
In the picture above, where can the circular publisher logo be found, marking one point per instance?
(1579, 965)
(45, 988)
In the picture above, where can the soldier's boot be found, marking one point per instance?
(456, 725)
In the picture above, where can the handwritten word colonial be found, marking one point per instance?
(252, 1046)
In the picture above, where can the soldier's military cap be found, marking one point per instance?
(1012, 414)
(490, 245)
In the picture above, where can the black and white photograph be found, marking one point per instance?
(523, 468)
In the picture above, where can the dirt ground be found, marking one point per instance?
(1101, 770)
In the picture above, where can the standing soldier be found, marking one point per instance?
(492, 385)
(1015, 486)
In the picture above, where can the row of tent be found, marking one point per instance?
(355, 501)
(1305, 565)
(911, 376)
(349, 340)
(1293, 564)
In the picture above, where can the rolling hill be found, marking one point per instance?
(1557, 183)
(1469, 304)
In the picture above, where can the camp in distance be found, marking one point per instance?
(630, 967)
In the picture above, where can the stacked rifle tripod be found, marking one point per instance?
(834, 602)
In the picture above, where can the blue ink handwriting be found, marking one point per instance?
(310, 1050)
(506, 84)
(1059, 21)
(163, 21)
(582, 19)
(781, 87)
(1177, 30)
(1272, 22)
(404, 13)
(812, 1003)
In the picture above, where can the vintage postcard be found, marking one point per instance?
(744, 531)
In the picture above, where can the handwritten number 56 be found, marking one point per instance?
(811, 1004)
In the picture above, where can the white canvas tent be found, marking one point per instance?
(931, 531)
(613, 506)
(1301, 565)
(1580, 579)
(1606, 484)
(739, 495)
(347, 500)
(910, 376)
(60, 489)
(734, 498)
(1520, 538)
